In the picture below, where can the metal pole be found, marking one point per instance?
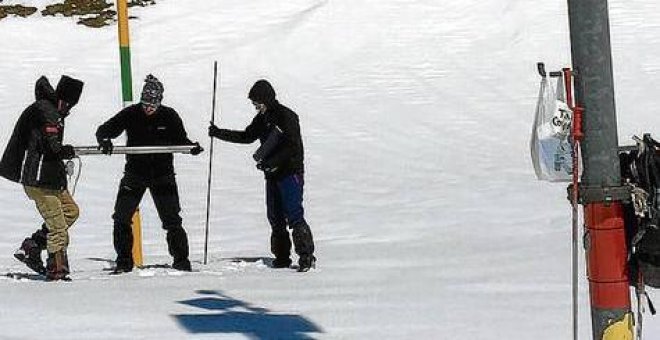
(577, 135)
(208, 192)
(601, 191)
(134, 150)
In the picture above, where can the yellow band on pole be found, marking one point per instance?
(620, 330)
(137, 239)
(127, 96)
(122, 17)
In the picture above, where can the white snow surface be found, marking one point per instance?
(416, 117)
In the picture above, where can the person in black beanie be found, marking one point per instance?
(280, 157)
(149, 123)
(34, 157)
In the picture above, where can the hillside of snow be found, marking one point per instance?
(416, 117)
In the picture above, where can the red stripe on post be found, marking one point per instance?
(607, 265)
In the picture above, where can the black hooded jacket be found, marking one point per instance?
(163, 127)
(288, 157)
(33, 154)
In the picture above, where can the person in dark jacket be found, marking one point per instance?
(280, 157)
(34, 157)
(148, 123)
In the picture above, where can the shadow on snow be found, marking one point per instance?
(237, 316)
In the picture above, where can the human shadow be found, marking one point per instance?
(237, 316)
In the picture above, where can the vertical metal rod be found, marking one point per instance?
(577, 136)
(208, 192)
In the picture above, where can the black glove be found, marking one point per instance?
(105, 145)
(67, 152)
(214, 131)
(265, 167)
(196, 150)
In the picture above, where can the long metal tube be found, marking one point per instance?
(133, 150)
(605, 237)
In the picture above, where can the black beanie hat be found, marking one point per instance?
(152, 91)
(262, 92)
(69, 90)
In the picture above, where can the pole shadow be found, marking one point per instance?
(235, 316)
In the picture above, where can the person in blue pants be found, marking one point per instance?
(280, 157)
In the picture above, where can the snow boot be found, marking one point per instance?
(41, 236)
(177, 245)
(30, 254)
(304, 244)
(182, 265)
(306, 262)
(280, 246)
(122, 237)
(57, 266)
(281, 262)
(122, 267)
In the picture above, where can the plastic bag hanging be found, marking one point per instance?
(550, 145)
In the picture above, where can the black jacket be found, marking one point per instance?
(288, 156)
(33, 154)
(164, 127)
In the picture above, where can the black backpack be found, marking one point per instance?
(640, 169)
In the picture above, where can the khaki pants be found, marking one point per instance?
(58, 210)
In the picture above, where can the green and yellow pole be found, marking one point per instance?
(127, 97)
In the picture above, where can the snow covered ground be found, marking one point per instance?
(416, 117)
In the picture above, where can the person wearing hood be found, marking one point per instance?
(148, 123)
(34, 158)
(280, 157)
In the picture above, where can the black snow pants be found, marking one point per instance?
(165, 195)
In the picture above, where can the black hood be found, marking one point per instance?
(44, 91)
(262, 92)
(69, 90)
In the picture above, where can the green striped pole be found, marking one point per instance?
(127, 97)
(124, 53)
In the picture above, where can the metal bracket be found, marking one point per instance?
(605, 195)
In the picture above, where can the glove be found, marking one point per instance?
(67, 152)
(105, 145)
(265, 167)
(214, 131)
(196, 150)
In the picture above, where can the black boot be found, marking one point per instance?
(306, 262)
(280, 246)
(304, 244)
(30, 254)
(57, 266)
(41, 236)
(177, 245)
(122, 236)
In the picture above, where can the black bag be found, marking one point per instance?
(640, 168)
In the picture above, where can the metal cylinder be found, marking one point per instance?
(605, 240)
(133, 150)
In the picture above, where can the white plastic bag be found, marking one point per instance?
(550, 145)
